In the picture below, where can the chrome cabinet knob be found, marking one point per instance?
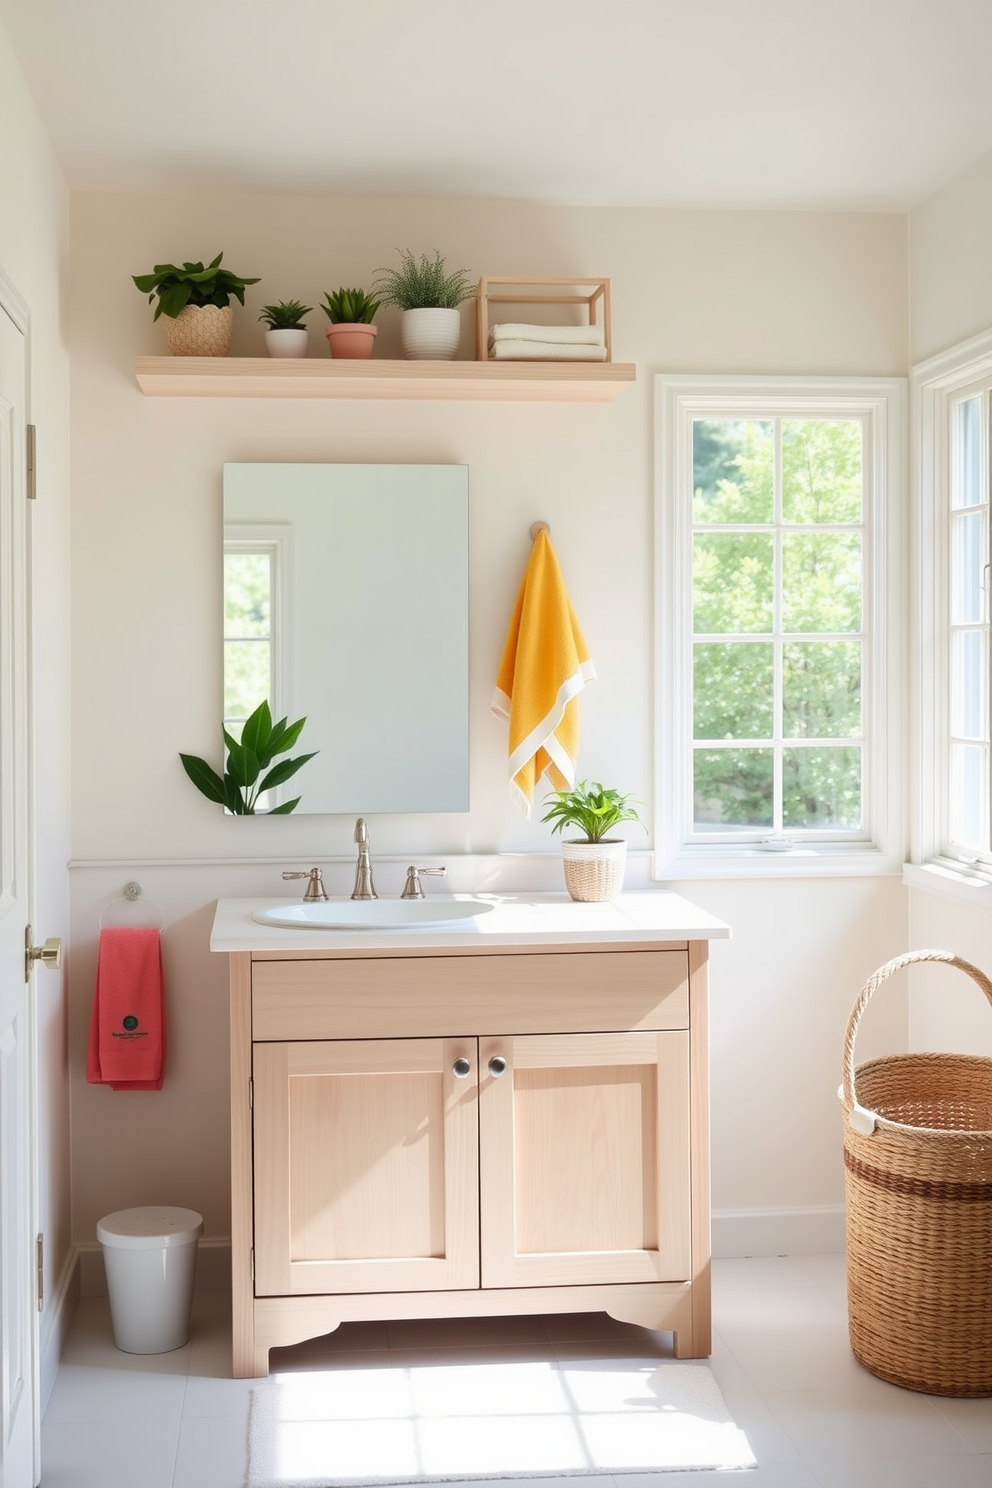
(497, 1066)
(461, 1068)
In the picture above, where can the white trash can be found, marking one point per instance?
(150, 1258)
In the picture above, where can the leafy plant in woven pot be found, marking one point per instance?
(428, 294)
(196, 302)
(594, 863)
(351, 333)
(287, 336)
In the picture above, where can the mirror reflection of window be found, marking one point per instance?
(249, 641)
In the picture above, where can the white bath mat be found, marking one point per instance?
(431, 1423)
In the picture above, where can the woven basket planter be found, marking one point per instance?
(199, 330)
(918, 1179)
(594, 870)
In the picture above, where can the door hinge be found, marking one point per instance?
(31, 458)
(251, 1095)
(40, 1257)
(253, 1263)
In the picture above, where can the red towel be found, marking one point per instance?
(127, 1031)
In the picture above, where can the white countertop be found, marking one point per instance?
(516, 919)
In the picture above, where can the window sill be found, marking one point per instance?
(751, 862)
(950, 880)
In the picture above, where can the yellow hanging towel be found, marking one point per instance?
(545, 665)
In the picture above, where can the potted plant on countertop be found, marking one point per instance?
(196, 303)
(428, 296)
(351, 332)
(286, 336)
(243, 781)
(594, 863)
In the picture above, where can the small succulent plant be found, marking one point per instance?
(350, 307)
(285, 315)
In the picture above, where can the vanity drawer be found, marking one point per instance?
(437, 997)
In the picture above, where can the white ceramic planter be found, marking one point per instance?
(430, 334)
(594, 870)
(199, 330)
(287, 341)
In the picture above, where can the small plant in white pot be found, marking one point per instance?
(351, 332)
(428, 296)
(286, 336)
(196, 303)
(594, 863)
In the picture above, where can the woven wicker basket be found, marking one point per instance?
(918, 1177)
(594, 870)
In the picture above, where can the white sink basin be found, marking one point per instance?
(370, 914)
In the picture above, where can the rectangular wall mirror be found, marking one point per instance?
(346, 601)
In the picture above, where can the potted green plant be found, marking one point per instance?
(428, 294)
(247, 774)
(351, 332)
(196, 303)
(286, 336)
(594, 863)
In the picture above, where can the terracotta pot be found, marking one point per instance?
(287, 341)
(430, 334)
(594, 870)
(350, 340)
(199, 330)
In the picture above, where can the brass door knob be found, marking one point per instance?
(49, 954)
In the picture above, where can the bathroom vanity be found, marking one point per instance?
(509, 1115)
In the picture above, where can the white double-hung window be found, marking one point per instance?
(952, 816)
(779, 625)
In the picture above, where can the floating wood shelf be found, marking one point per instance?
(263, 377)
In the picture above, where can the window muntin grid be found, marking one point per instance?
(779, 633)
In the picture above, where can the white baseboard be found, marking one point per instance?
(777, 1232)
(55, 1321)
(213, 1268)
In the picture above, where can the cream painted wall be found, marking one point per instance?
(947, 1011)
(950, 242)
(725, 292)
(34, 221)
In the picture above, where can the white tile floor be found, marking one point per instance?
(814, 1418)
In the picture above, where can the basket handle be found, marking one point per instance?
(859, 1118)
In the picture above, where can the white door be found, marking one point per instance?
(18, 1303)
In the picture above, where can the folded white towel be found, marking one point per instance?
(545, 351)
(587, 335)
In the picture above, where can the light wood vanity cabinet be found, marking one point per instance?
(466, 1132)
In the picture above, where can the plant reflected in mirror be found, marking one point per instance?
(247, 776)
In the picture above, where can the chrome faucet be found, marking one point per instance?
(364, 887)
(315, 886)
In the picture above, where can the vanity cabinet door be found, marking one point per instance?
(584, 1143)
(366, 1166)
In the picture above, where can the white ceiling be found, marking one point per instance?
(849, 104)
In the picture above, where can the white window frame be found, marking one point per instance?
(937, 385)
(275, 540)
(881, 402)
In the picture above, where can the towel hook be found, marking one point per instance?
(540, 526)
(130, 894)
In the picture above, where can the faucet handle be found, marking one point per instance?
(315, 888)
(413, 888)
